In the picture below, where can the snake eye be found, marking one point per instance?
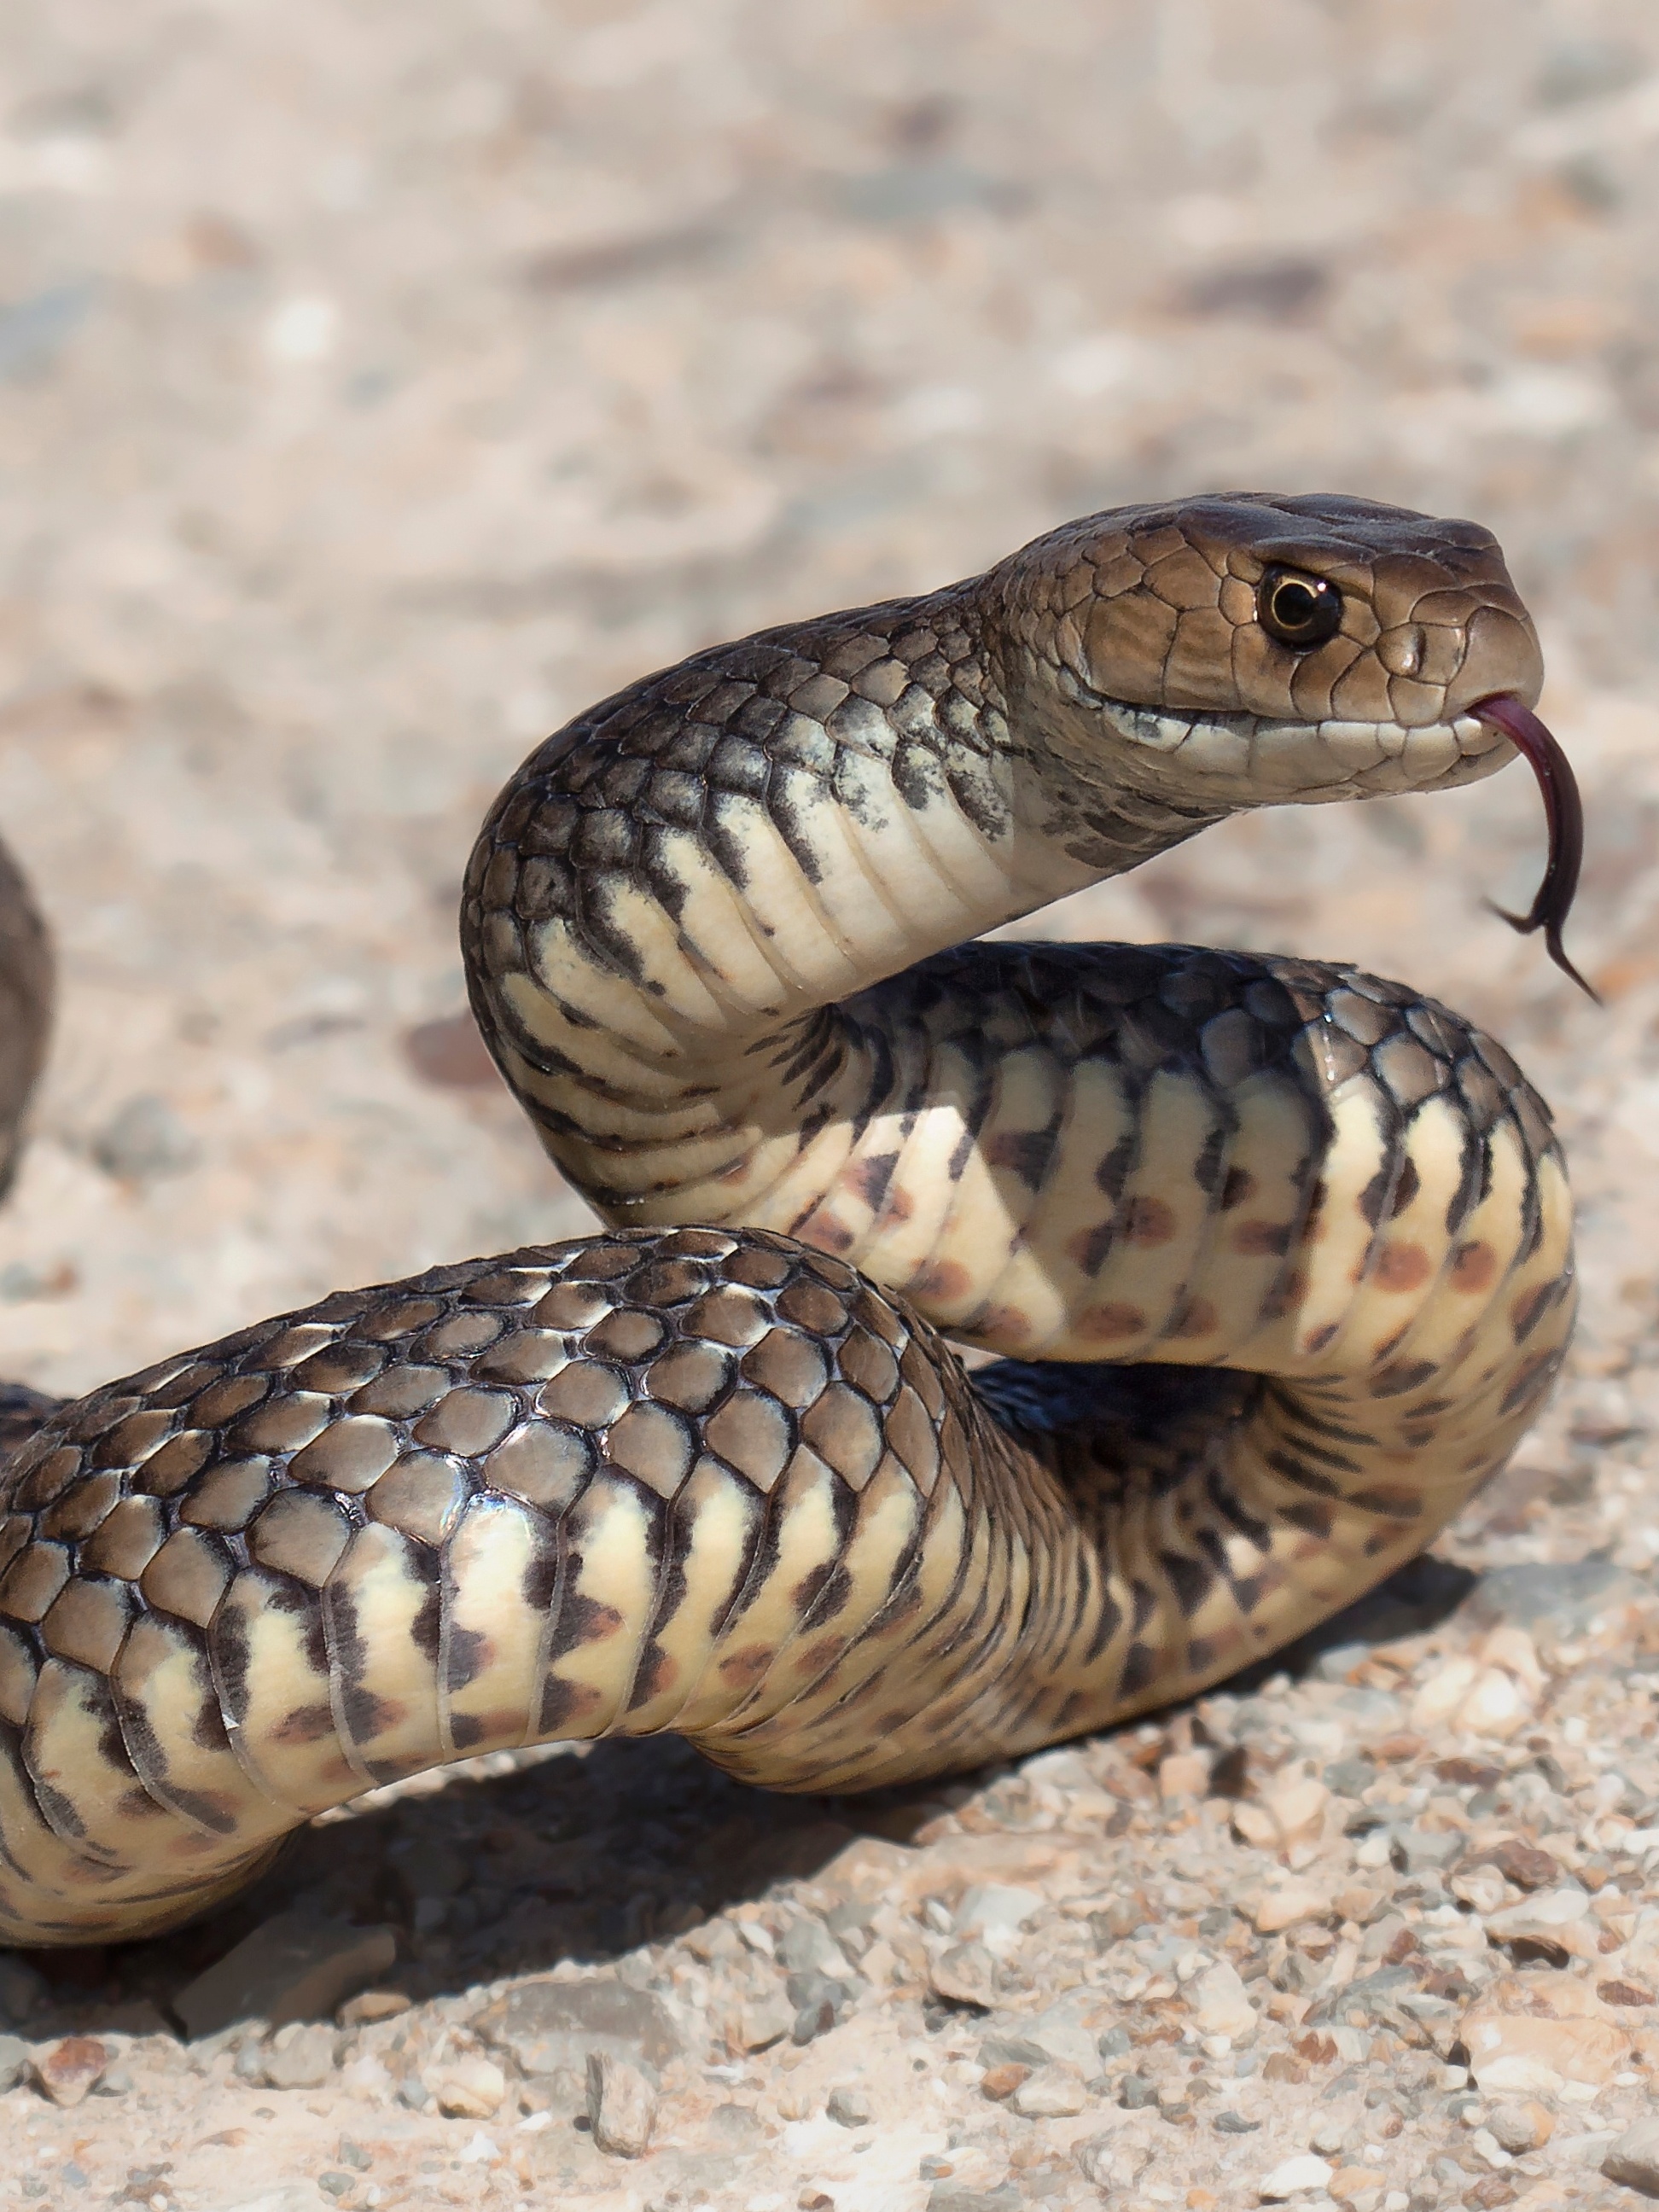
(1300, 611)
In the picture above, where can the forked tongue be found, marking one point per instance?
(1564, 812)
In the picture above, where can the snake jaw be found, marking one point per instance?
(1564, 814)
(1252, 760)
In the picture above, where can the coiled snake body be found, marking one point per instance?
(1277, 1255)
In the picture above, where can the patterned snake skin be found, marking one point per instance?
(1277, 1255)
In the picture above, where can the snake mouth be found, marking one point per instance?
(1252, 759)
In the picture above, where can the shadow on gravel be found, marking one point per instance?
(586, 1857)
(582, 1858)
(1414, 1599)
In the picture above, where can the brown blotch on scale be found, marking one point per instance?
(945, 1280)
(1474, 1269)
(1394, 1382)
(1111, 1323)
(1261, 1240)
(1399, 1267)
(743, 1668)
(304, 1724)
(1148, 1221)
(826, 1234)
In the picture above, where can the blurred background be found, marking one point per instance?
(381, 384)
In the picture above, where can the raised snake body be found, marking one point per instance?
(1279, 1256)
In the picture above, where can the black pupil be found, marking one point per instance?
(1294, 605)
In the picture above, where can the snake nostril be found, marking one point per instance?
(1300, 611)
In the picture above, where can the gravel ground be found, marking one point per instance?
(379, 385)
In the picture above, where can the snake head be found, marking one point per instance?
(1249, 649)
(1246, 648)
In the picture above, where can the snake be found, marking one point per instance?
(984, 1342)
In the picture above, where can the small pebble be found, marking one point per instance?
(1051, 2093)
(622, 2106)
(1633, 2159)
(849, 2108)
(65, 2072)
(1292, 2178)
(468, 2088)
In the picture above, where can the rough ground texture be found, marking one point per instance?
(383, 383)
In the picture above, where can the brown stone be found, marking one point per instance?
(65, 2071)
(1001, 2081)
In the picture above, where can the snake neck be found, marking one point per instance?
(680, 915)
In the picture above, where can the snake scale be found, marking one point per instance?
(1276, 1256)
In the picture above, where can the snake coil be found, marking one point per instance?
(1276, 1256)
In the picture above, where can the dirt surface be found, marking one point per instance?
(379, 385)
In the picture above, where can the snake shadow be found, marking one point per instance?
(507, 1866)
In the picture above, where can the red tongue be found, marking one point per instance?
(1563, 811)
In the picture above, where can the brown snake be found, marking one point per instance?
(1278, 1256)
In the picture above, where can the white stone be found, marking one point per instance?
(1290, 2179)
(467, 2088)
(1220, 2002)
(1287, 1902)
(1053, 2093)
(1496, 1705)
(1444, 1691)
(995, 1912)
